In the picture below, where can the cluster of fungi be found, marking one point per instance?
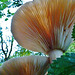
(42, 26)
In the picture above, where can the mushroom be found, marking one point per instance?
(42, 26)
(28, 65)
(45, 26)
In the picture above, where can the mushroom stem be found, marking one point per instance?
(55, 54)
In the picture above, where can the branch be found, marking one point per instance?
(6, 46)
(2, 45)
(11, 46)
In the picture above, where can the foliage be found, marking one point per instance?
(8, 4)
(22, 52)
(3, 5)
(5, 50)
(17, 3)
(63, 66)
(71, 48)
(73, 33)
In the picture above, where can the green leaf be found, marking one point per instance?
(8, 15)
(3, 0)
(9, 11)
(71, 47)
(1, 14)
(6, 19)
(12, 13)
(63, 66)
(73, 33)
(3, 6)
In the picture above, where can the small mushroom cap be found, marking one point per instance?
(44, 25)
(28, 65)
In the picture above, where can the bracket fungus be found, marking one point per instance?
(44, 26)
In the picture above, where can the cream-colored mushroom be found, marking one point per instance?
(45, 25)
(28, 65)
(42, 26)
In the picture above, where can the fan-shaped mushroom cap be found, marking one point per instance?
(44, 25)
(28, 65)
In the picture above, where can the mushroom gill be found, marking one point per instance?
(28, 65)
(44, 25)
